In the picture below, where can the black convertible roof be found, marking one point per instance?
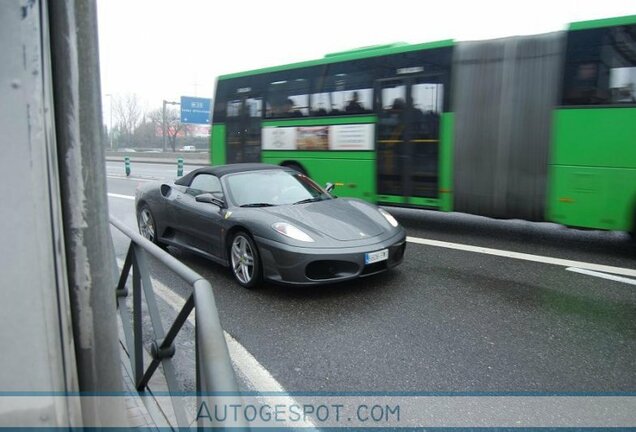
(222, 170)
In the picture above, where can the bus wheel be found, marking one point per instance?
(296, 167)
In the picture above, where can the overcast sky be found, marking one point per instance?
(164, 49)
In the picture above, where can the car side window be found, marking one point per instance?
(205, 183)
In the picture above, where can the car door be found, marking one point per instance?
(201, 223)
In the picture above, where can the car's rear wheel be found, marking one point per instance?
(245, 260)
(147, 225)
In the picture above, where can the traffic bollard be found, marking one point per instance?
(127, 165)
(179, 167)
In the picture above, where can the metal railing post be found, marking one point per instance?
(137, 323)
(214, 371)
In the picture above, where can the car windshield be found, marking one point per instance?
(272, 187)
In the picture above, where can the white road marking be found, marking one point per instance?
(244, 362)
(603, 275)
(525, 256)
(114, 195)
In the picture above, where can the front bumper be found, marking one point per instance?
(287, 264)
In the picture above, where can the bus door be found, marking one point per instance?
(243, 123)
(409, 112)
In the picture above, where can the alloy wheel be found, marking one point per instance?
(242, 259)
(147, 225)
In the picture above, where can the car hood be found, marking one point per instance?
(340, 219)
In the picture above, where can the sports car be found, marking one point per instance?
(270, 222)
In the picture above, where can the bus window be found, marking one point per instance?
(288, 99)
(428, 97)
(320, 104)
(233, 108)
(254, 107)
(393, 98)
(427, 107)
(600, 66)
(343, 94)
(623, 85)
(243, 133)
(356, 101)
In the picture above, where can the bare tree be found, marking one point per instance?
(174, 126)
(156, 117)
(145, 135)
(127, 110)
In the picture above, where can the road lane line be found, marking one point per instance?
(602, 275)
(244, 362)
(525, 256)
(114, 195)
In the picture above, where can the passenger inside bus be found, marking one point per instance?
(290, 110)
(398, 105)
(354, 106)
(285, 108)
(584, 87)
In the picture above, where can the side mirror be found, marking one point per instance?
(329, 187)
(210, 199)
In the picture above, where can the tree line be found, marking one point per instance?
(134, 128)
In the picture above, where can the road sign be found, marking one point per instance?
(195, 110)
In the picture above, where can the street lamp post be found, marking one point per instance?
(163, 122)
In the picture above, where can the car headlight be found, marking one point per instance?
(291, 231)
(389, 217)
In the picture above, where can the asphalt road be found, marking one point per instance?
(445, 320)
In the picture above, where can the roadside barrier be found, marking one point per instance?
(214, 374)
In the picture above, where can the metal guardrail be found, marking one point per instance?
(214, 372)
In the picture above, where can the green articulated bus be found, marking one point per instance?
(536, 127)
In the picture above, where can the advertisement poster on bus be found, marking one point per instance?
(278, 138)
(351, 137)
(313, 138)
(337, 137)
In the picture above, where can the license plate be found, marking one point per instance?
(373, 257)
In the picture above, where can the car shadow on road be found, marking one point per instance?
(555, 304)
(541, 234)
(369, 285)
(221, 277)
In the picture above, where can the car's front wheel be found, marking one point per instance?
(147, 225)
(245, 260)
